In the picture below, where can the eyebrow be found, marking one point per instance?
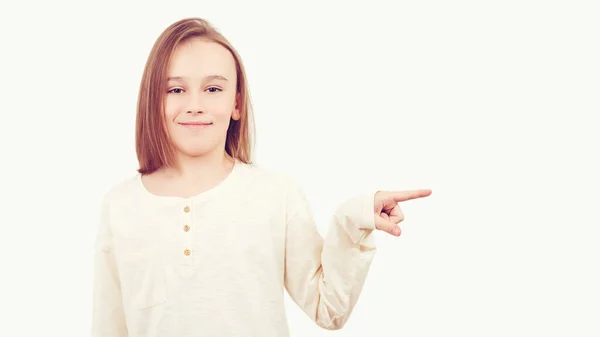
(206, 78)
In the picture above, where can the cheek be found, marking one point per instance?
(222, 108)
(172, 107)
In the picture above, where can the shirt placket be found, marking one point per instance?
(187, 251)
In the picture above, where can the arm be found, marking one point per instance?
(325, 276)
(108, 318)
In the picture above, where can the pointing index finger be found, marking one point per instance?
(408, 195)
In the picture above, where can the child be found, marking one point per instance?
(202, 242)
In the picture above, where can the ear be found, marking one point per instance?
(235, 115)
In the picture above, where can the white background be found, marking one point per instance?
(492, 105)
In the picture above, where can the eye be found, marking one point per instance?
(213, 89)
(176, 91)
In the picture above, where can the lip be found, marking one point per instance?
(195, 125)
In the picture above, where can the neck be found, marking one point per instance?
(209, 166)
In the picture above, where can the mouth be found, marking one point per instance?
(195, 125)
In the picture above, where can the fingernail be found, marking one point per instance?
(396, 231)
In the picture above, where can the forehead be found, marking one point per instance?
(198, 58)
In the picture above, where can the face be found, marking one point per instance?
(201, 97)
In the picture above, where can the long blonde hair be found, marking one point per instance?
(153, 146)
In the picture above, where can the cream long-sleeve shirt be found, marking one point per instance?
(217, 264)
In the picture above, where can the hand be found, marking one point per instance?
(387, 211)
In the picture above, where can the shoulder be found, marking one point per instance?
(271, 183)
(121, 191)
(267, 176)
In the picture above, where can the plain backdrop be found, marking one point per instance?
(492, 104)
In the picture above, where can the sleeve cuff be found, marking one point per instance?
(366, 215)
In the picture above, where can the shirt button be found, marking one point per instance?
(186, 228)
(186, 209)
(187, 252)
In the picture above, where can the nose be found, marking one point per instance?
(195, 104)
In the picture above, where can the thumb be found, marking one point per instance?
(387, 226)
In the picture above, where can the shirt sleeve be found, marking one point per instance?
(325, 276)
(108, 318)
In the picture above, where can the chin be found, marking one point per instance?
(196, 151)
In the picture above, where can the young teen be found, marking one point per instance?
(201, 241)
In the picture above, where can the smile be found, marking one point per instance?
(195, 125)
